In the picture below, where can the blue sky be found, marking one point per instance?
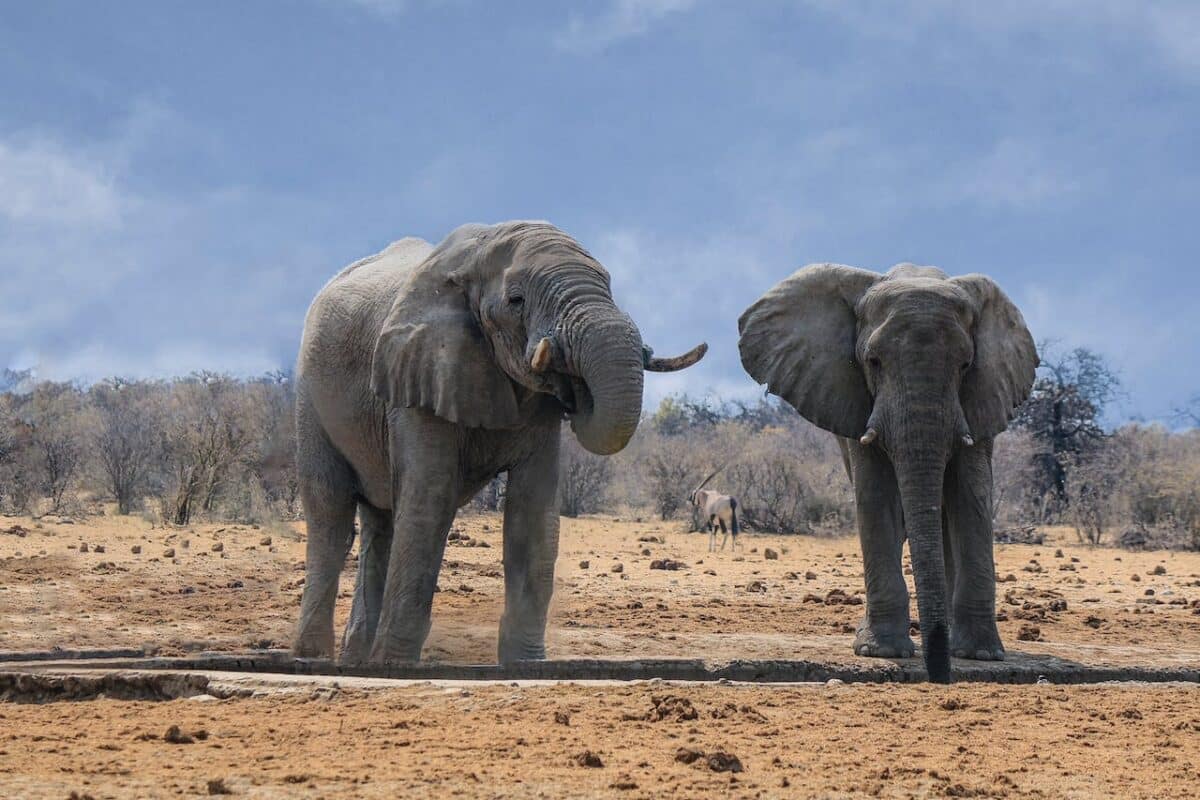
(178, 179)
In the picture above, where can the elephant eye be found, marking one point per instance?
(516, 300)
(874, 362)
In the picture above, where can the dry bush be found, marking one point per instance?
(127, 438)
(58, 421)
(583, 479)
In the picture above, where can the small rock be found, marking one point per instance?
(667, 564)
(618, 567)
(688, 755)
(265, 541)
(562, 718)
(770, 555)
(1030, 633)
(217, 786)
(1159, 569)
(645, 551)
(584, 564)
(136, 549)
(219, 547)
(810, 576)
(1135, 578)
(98, 548)
(756, 587)
(587, 759)
(720, 761)
(176, 736)
(83, 548)
(169, 552)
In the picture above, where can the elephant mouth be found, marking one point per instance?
(572, 393)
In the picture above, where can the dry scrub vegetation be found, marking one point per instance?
(213, 448)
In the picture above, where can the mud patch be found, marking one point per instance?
(24, 687)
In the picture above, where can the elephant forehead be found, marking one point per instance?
(916, 295)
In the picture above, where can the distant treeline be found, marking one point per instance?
(215, 447)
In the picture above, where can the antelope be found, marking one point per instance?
(718, 509)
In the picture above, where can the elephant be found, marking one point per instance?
(423, 373)
(917, 372)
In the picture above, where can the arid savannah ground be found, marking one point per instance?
(229, 587)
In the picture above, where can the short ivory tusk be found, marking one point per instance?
(541, 356)
(673, 364)
(968, 441)
(868, 437)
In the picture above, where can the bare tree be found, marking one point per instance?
(207, 435)
(128, 436)
(57, 419)
(583, 479)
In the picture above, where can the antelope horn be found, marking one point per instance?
(711, 475)
(684, 361)
(541, 355)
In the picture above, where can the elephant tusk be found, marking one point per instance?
(541, 356)
(868, 437)
(684, 361)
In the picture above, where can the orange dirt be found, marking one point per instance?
(890, 741)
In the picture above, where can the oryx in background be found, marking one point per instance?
(717, 509)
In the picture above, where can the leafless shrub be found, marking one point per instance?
(583, 479)
(128, 437)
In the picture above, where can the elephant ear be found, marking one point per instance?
(432, 354)
(799, 339)
(1006, 359)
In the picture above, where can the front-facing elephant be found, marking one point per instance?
(425, 371)
(918, 372)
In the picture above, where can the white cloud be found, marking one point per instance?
(42, 182)
(622, 19)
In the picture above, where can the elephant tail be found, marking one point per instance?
(733, 515)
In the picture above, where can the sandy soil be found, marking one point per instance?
(232, 587)
(632, 740)
(1096, 605)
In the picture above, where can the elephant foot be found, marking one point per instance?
(513, 647)
(881, 640)
(976, 640)
(313, 648)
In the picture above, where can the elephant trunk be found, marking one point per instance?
(605, 351)
(920, 458)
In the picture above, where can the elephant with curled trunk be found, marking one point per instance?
(424, 372)
(918, 372)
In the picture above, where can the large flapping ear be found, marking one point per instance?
(799, 339)
(432, 353)
(1006, 360)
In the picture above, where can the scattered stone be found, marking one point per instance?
(645, 551)
(770, 555)
(587, 759)
(83, 548)
(672, 708)
(688, 755)
(1030, 633)
(810, 575)
(584, 564)
(219, 547)
(836, 597)
(1057, 604)
(1135, 578)
(618, 567)
(710, 572)
(651, 539)
(1009, 578)
(667, 564)
(136, 549)
(624, 783)
(562, 718)
(176, 736)
(1159, 569)
(756, 587)
(952, 704)
(169, 552)
(98, 548)
(1093, 622)
(1058, 553)
(265, 541)
(720, 761)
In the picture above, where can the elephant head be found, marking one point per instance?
(913, 362)
(498, 317)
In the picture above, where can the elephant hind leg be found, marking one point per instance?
(327, 490)
(374, 547)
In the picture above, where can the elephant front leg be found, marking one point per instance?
(968, 503)
(425, 497)
(375, 542)
(883, 632)
(530, 550)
